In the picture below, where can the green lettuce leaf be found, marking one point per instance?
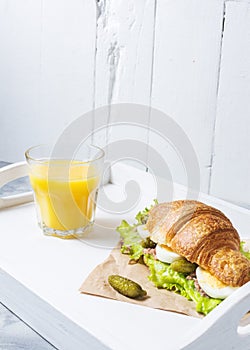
(128, 233)
(135, 251)
(142, 216)
(246, 253)
(163, 276)
(131, 240)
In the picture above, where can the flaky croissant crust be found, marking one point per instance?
(202, 234)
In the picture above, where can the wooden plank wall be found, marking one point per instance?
(185, 79)
(125, 43)
(187, 58)
(46, 69)
(231, 156)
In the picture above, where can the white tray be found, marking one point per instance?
(40, 277)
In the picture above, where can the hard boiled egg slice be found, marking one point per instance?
(212, 286)
(165, 254)
(143, 232)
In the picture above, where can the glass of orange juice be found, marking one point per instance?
(65, 188)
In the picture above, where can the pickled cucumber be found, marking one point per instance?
(148, 243)
(183, 266)
(126, 287)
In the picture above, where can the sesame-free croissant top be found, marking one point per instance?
(203, 235)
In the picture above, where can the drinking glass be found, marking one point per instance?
(65, 188)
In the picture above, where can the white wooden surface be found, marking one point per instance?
(46, 285)
(14, 334)
(231, 168)
(125, 36)
(46, 70)
(186, 63)
(123, 72)
(60, 59)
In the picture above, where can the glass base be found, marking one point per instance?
(67, 234)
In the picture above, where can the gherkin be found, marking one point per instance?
(183, 266)
(148, 243)
(126, 287)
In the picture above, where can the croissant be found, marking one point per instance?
(203, 235)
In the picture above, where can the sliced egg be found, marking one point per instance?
(143, 232)
(165, 254)
(212, 286)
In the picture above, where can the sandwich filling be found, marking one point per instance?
(171, 271)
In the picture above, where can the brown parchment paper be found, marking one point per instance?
(117, 263)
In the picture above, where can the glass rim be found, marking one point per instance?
(29, 157)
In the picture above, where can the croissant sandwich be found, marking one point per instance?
(190, 248)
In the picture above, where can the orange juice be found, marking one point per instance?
(65, 194)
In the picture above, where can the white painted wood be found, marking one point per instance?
(157, 187)
(221, 329)
(125, 39)
(48, 299)
(59, 59)
(68, 49)
(20, 28)
(231, 165)
(125, 34)
(185, 77)
(247, 1)
(14, 334)
(47, 70)
(10, 173)
(34, 311)
(122, 130)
